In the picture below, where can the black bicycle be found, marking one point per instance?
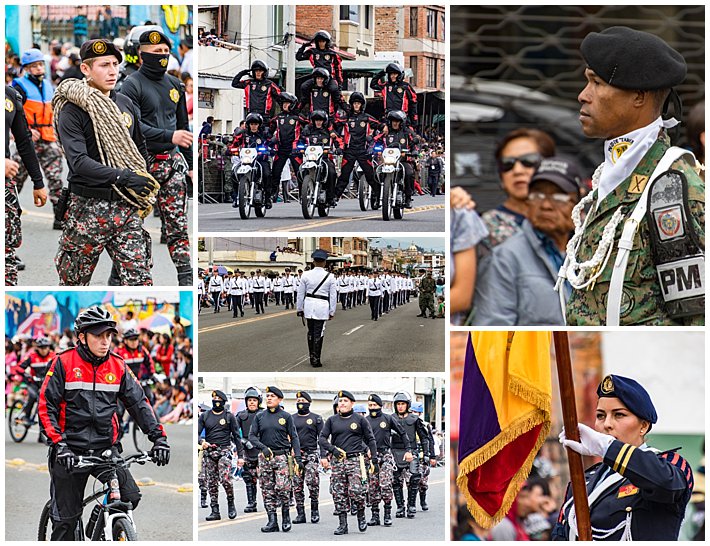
(110, 519)
(19, 421)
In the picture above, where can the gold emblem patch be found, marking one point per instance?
(402, 141)
(638, 183)
(400, 90)
(110, 378)
(163, 62)
(383, 425)
(154, 37)
(309, 422)
(362, 124)
(340, 394)
(292, 122)
(222, 422)
(9, 105)
(327, 57)
(174, 95)
(325, 93)
(607, 385)
(99, 48)
(282, 421)
(353, 426)
(127, 119)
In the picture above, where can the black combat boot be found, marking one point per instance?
(203, 498)
(315, 515)
(285, 519)
(375, 519)
(300, 514)
(231, 509)
(311, 350)
(422, 501)
(422, 314)
(214, 514)
(411, 502)
(343, 527)
(361, 521)
(387, 519)
(399, 499)
(184, 275)
(272, 526)
(251, 499)
(317, 348)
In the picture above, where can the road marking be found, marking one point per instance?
(245, 321)
(300, 361)
(353, 330)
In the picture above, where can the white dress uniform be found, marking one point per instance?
(374, 293)
(317, 300)
(278, 288)
(259, 286)
(200, 293)
(216, 287)
(289, 289)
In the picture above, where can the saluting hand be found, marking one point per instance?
(592, 443)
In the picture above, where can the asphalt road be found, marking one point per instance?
(165, 511)
(276, 342)
(40, 243)
(425, 526)
(427, 216)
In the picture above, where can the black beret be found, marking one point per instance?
(632, 59)
(304, 394)
(99, 48)
(219, 394)
(275, 390)
(633, 395)
(376, 399)
(346, 394)
(154, 37)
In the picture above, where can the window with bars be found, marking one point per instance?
(432, 23)
(350, 13)
(413, 64)
(369, 12)
(413, 21)
(432, 71)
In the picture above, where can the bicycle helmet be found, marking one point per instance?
(253, 392)
(42, 342)
(130, 333)
(418, 407)
(259, 65)
(319, 114)
(254, 118)
(31, 56)
(396, 115)
(402, 397)
(322, 35)
(94, 320)
(320, 73)
(394, 68)
(357, 97)
(288, 97)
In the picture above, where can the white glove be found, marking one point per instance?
(591, 442)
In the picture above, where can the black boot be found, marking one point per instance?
(315, 515)
(214, 514)
(343, 527)
(387, 519)
(231, 509)
(422, 501)
(317, 348)
(184, 275)
(272, 526)
(422, 314)
(353, 510)
(300, 514)
(311, 351)
(251, 499)
(399, 499)
(375, 519)
(203, 498)
(411, 502)
(285, 519)
(361, 522)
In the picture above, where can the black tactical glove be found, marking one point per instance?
(299, 465)
(65, 456)
(340, 454)
(161, 451)
(267, 453)
(138, 184)
(299, 313)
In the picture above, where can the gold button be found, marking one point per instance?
(628, 509)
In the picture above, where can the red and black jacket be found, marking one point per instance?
(286, 130)
(311, 136)
(78, 402)
(404, 139)
(38, 364)
(139, 361)
(322, 58)
(259, 94)
(327, 98)
(397, 96)
(357, 131)
(246, 139)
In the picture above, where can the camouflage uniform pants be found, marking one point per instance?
(275, 481)
(201, 475)
(172, 205)
(381, 482)
(217, 472)
(50, 159)
(309, 477)
(348, 485)
(13, 232)
(426, 301)
(92, 225)
(424, 482)
(250, 471)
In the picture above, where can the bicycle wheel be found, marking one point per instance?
(42, 534)
(123, 530)
(18, 430)
(140, 440)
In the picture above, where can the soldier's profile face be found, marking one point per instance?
(606, 111)
(272, 401)
(252, 403)
(615, 419)
(102, 73)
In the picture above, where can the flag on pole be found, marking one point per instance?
(504, 419)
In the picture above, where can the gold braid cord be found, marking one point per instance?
(116, 147)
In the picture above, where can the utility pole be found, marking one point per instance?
(291, 49)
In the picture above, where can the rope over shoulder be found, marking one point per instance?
(116, 147)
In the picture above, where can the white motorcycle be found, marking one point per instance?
(390, 173)
(250, 180)
(314, 179)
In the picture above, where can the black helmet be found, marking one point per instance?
(357, 97)
(253, 392)
(319, 114)
(322, 72)
(43, 342)
(254, 118)
(259, 65)
(322, 35)
(402, 397)
(95, 319)
(288, 97)
(396, 115)
(130, 333)
(394, 68)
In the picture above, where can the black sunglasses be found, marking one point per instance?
(528, 160)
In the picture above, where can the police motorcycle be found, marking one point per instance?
(365, 194)
(390, 173)
(249, 179)
(313, 174)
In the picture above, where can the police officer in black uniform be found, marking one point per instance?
(636, 492)
(252, 400)
(260, 91)
(319, 133)
(16, 122)
(397, 94)
(309, 426)
(220, 428)
(164, 121)
(256, 135)
(384, 426)
(357, 131)
(321, 92)
(286, 130)
(402, 137)
(322, 55)
(408, 463)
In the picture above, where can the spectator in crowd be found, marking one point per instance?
(206, 127)
(185, 50)
(534, 498)
(81, 26)
(164, 354)
(73, 71)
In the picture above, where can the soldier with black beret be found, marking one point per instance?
(647, 196)
(309, 426)
(274, 434)
(636, 492)
(161, 99)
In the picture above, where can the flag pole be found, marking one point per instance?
(569, 414)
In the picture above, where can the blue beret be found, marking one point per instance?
(632, 59)
(633, 395)
(275, 390)
(319, 255)
(418, 407)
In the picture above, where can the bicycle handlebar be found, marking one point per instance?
(92, 461)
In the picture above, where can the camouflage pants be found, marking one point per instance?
(426, 301)
(348, 485)
(424, 482)
(172, 205)
(275, 481)
(50, 159)
(92, 225)
(250, 471)
(309, 477)
(201, 475)
(217, 472)
(13, 232)
(381, 482)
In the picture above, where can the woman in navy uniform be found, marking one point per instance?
(636, 492)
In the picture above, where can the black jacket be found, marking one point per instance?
(16, 122)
